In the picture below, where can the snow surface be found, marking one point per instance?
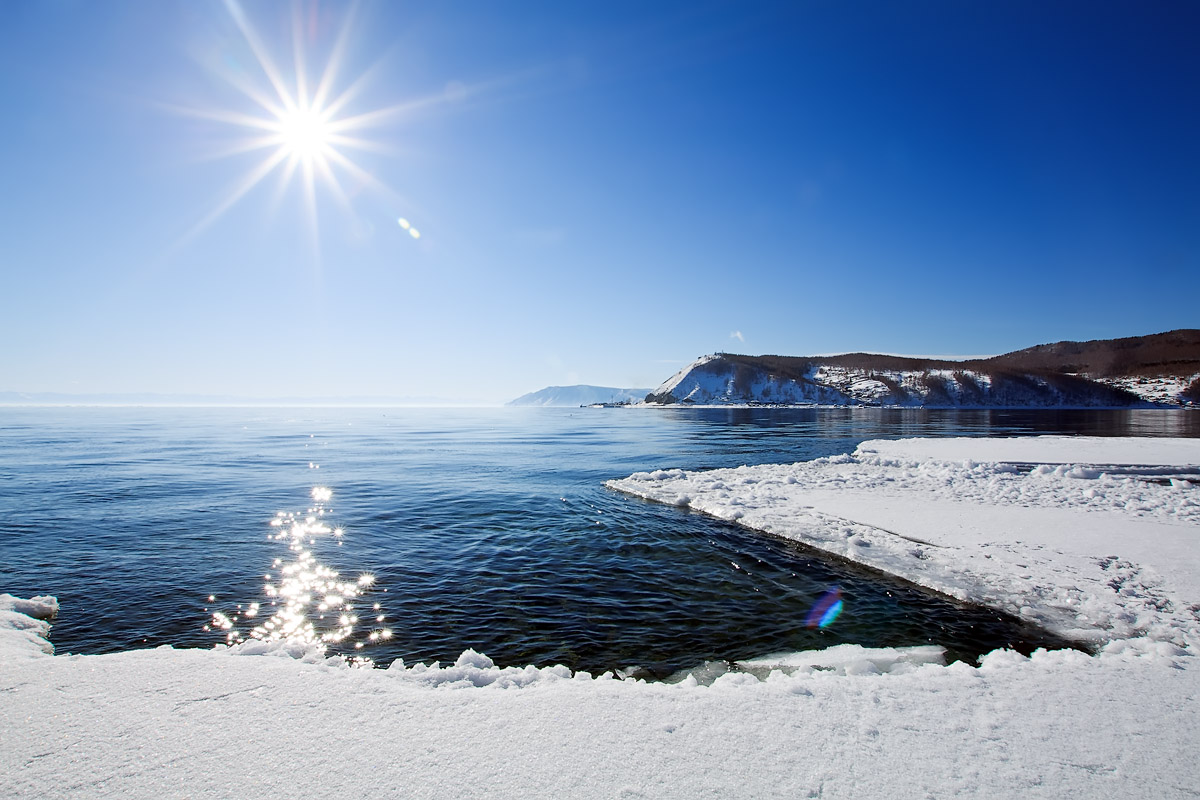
(1131, 451)
(1105, 555)
(1166, 390)
(711, 380)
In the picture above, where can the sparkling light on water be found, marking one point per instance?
(312, 603)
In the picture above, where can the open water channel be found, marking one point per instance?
(436, 530)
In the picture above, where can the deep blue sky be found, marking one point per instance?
(604, 191)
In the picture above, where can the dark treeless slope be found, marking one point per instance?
(1174, 353)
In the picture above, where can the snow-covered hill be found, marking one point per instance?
(581, 395)
(731, 379)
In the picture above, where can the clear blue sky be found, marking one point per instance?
(603, 191)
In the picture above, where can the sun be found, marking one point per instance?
(302, 127)
(305, 134)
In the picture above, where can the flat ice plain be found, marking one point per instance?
(1093, 538)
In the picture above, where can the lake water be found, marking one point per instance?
(457, 528)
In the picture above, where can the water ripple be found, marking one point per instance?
(488, 529)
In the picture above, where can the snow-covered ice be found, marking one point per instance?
(1093, 538)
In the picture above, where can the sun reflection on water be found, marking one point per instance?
(310, 603)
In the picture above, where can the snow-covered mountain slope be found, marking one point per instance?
(878, 380)
(581, 395)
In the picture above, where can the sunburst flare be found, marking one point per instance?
(304, 130)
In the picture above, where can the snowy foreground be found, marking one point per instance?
(1094, 538)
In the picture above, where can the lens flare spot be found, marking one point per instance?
(826, 610)
(406, 225)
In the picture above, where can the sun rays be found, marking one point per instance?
(303, 129)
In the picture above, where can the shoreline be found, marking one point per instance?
(889, 407)
(1110, 553)
(944, 513)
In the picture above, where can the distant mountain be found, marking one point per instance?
(581, 395)
(1146, 371)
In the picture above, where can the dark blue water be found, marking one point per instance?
(488, 529)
